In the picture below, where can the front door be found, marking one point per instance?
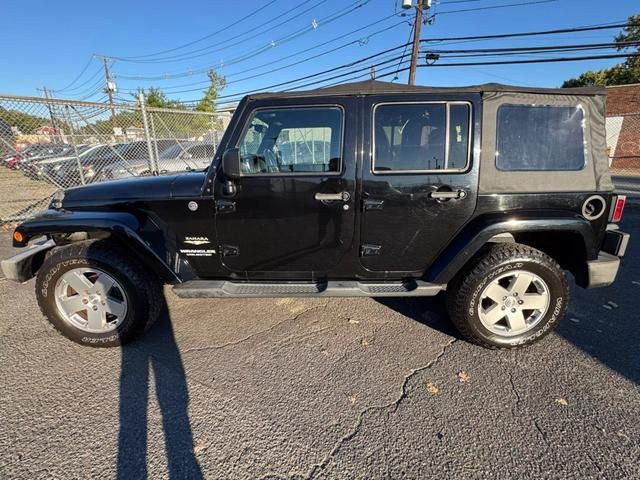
(290, 214)
(419, 181)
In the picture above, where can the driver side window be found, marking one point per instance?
(304, 140)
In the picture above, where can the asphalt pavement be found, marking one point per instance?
(324, 388)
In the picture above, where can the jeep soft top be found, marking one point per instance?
(490, 193)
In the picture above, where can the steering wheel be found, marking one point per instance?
(272, 161)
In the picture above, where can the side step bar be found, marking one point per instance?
(222, 288)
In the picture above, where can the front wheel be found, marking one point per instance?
(96, 295)
(511, 296)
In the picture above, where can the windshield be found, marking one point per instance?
(173, 151)
(82, 149)
(103, 152)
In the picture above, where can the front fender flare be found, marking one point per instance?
(121, 225)
(473, 237)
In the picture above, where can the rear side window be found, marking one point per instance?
(421, 137)
(540, 137)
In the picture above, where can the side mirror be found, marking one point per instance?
(231, 163)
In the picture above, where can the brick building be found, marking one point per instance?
(623, 128)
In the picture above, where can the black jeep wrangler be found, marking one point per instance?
(489, 193)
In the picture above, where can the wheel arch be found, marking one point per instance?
(121, 227)
(569, 240)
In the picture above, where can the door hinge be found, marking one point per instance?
(225, 206)
(229, 250)
(367, 250)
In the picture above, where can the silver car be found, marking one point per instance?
(181, 157)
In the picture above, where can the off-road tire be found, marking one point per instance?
(463, 293)
(144, 291)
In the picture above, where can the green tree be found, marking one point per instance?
(622, 73)
(216, 83)
(154, 97)
(24, 122)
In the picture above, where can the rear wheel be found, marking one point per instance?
(509, 297)
(94, 294)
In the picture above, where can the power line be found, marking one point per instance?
(404, 52)
(84, 69)
(529, 34)
(234, 41)
(441, 39)
(493, 7)
(284, 67)
(325, 72)
(536, 60)
(361, 40)
(479, 63)
(90, 79)
(551, 48)
(206, 37)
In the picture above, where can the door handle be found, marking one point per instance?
(372, 204)
(328, 197)
(457, 194)
(225, 206)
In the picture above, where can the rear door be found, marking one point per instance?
(291, 212)
(419, 182)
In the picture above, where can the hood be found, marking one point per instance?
(135, 189)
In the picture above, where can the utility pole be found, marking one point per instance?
(110, 86)
(415, 51)
(54, 124)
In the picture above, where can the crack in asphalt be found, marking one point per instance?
(355, 428)
(253, 335)
(516, 408)
(594, 462)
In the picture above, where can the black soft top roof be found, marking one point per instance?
(375, 87)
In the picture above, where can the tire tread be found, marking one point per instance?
(115, 256)
(465, 282)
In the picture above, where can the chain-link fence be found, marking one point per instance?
(623, 141)
(49, 144)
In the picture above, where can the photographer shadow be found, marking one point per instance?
(156, 351)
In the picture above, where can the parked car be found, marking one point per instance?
(49, 166)
(93, 159)
(180, 157)
(489, 194)
(66, 171)
(35, 152)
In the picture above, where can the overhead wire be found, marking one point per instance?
(404, 52)
(536, 60)
(206, 37)
(257, 75)
(236, 42)
(324, 72)
(84, 69)
(300, 52)
(493, 7)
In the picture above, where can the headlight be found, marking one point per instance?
(57, 200)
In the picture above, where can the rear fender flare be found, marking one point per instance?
(472, 238)
(120, 225)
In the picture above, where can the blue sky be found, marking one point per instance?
(49, 43)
